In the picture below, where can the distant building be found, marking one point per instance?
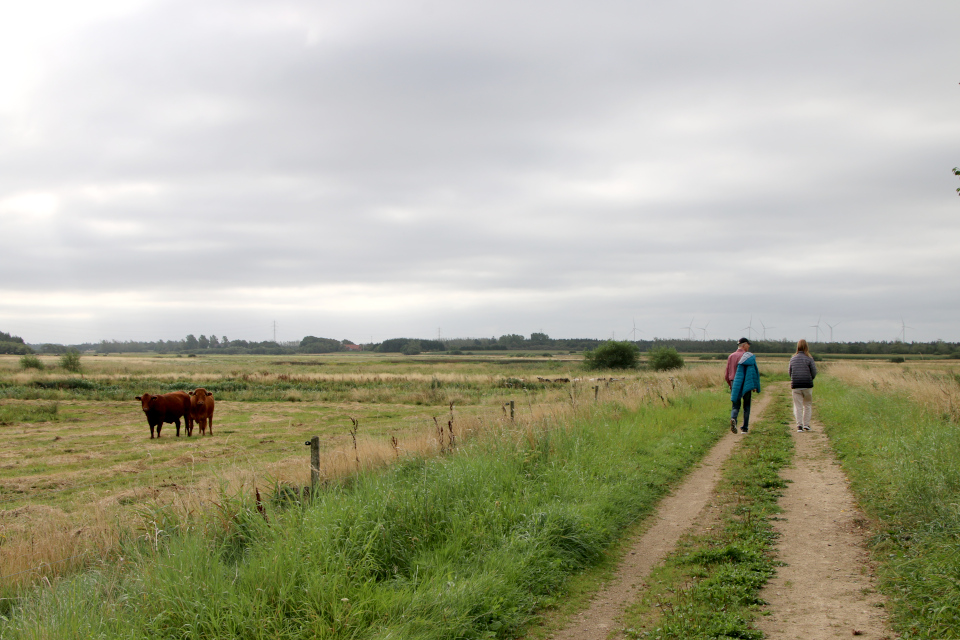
(352, 347)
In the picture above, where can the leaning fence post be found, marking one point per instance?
(511, 409)
(596, 392)
(314, 444)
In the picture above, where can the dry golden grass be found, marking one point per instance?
(935, 386)
(39, 541)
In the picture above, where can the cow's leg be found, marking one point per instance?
(211, 425)
(159, 426)
(177, 422)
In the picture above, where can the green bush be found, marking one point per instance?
(412, 348)
(612, 355)
(897, 359)
(664, 359)
(31, 362)
(71, 361)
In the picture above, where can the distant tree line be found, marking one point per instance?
(13, 344)
(509, 342)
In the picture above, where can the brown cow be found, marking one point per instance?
(201, 408)
(169, 407)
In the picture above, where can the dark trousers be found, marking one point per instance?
(746, 409)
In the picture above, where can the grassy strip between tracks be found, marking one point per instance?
(467, 545)
(901, 459)
(709, 587)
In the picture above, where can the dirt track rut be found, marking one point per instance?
(676, 514)
(826, 589)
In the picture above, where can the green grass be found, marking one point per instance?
(709, 587)
(903, 465)
(469, 545)
(15, 413)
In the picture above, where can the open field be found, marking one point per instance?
(133, 494)
(83, 488)
(77, 465)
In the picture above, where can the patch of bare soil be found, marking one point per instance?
(677, 513)
(827, 589)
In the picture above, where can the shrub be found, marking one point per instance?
(665, 358)
(612, 355)
(897, 359)
(31, 362)
(71, 361)
(412, 348)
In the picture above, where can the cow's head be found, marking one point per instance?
(147, 401)
(200, 394)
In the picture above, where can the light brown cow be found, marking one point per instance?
(201, 408)
(169, 407)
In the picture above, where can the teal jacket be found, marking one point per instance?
(747, 378)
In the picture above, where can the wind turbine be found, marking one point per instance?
(903, 330)
(831, 328)
(633, 332)
(690, 334)
(817, 327)
(765, 327)
(704, 329)
(749, 329)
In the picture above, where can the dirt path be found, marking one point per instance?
(826, 590)
(676, 514)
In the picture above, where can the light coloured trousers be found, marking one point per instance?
(803, 406)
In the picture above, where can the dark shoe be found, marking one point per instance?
(799, 429)
(806, 427)
(744, 429)
(733, 425)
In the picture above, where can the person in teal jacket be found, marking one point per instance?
(745, 382)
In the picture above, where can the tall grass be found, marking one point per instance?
(937, 391)
(465, 545)
(901, 452)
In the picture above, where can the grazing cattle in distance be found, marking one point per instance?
(201, 408)
(169, 407)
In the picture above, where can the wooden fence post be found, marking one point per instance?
(596, 392)
(511, 409)
(314, 444)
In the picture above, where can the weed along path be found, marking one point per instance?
(825, 590)
(676, 514)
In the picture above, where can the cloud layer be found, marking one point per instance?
(390, 168)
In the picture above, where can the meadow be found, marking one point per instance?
(438, 513)
(77, 466)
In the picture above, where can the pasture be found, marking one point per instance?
(77, 466)
(83, 489)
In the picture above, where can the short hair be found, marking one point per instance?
(802, 346)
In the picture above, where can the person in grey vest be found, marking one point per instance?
(802, 371)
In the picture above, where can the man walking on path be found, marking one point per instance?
(743, 378)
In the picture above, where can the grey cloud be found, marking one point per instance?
(526, 147)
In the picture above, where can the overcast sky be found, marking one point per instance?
(368, 170)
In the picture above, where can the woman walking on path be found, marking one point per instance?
(745, 381)
(802, 372)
